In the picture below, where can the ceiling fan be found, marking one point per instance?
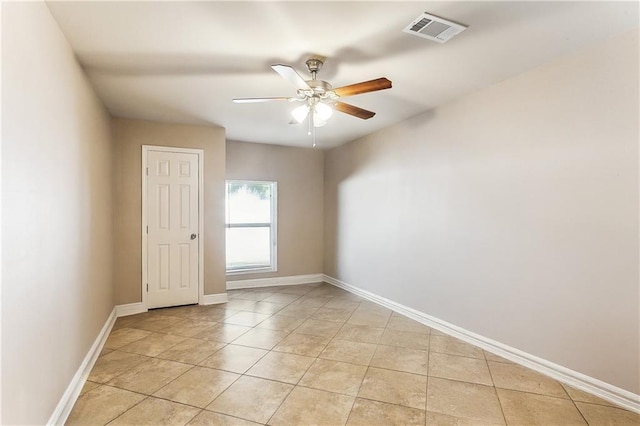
(318, 98)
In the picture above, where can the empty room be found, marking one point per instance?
(320, 213)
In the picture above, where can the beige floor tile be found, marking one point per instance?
(189, 327)
(517, 377)
(179, 311)
(405, 339)
(493, 357)
(149, 376)
(312, 301)
(238, 304)
(360, 333)
(368, 305)
(328, 291)
(283, 298)
(209, 418)
(318, 328)
(610, 416)
(347, 351)
(400, 323)
(302, 344)
(88, 385)
(435, 332)
(369, 413)
(438, 419)
(261, 338)
(153, 344)
(401, 359)
(191, 351)
(283, 367)
(462, 368)
(105, 351)
(281, 322)
(461, 399)
(298, 310)
(101, 405)
(225, 333)
(156, 322)
(306, 406)
(237, 359)
(154, 411)
(251, 398)
(123, 336)
(334, 376)
(581, 396)
(452, 346)
(213, 313)
(114, 364)
(128, 321)
(296, 289)
(198, 386)
(395, 387)
(247, 319)
(339, 303)
(256, 296)
(332, 314)
(367, 317)
(521, 408)
(264, 307)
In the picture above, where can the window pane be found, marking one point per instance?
(248, 202)
(248, 248)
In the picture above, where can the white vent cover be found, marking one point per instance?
(434, 28)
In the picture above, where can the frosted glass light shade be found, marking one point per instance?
(323, 112)
(300, 113)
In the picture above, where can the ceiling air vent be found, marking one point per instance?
(434, 28)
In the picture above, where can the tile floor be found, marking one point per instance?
(314, 354)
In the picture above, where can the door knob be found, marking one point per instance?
(193, 236)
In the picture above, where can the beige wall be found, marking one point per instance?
(299, 173)
(56, 221)
(512, 212)
(129, 136)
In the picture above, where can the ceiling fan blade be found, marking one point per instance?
(253, 100)
(354, 110)
(291, 75)
(364, 87)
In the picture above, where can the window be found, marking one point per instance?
(251, 226)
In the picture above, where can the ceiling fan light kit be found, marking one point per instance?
(318, 96)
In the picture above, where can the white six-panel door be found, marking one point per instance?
(172, 236)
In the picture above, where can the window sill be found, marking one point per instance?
(250, 271)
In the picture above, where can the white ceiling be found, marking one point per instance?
(185, 61)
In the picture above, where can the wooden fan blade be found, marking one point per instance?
(354, 110)
(291, 75)
(252, 100)
(364, 87)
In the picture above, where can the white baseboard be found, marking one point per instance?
(63, 409)
(596, 387)
(275, 281)
(130, 309)
(214, 299)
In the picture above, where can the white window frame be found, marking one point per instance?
(273, 226)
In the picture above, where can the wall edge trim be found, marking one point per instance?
(275, 281)
(214, 299)
(71, 394)
(606, 391)
(130, 309)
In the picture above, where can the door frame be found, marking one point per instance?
(200, 154)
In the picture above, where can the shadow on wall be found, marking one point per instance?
(349, 160)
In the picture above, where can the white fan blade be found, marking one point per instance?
(291, 76)
(252, 100)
